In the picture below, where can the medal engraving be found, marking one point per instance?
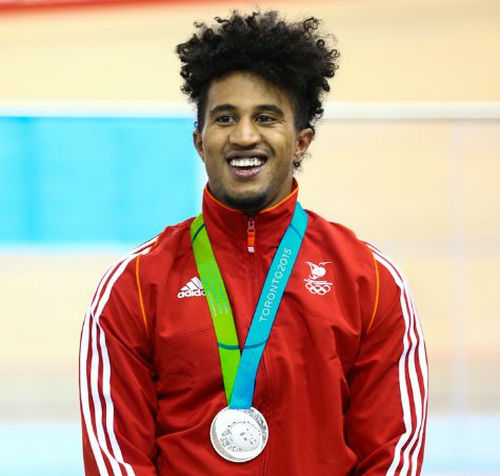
(239, 435)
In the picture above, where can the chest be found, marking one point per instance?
(317, 323)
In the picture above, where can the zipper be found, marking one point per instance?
(251, 235)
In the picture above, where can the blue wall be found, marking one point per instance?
(80, 179)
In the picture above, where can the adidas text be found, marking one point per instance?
(193, 288)
(191, 293)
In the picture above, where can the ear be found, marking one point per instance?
(302, 142)
(198, 143)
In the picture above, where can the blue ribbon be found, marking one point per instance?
(267, 308)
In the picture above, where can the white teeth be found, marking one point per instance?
(246, 162)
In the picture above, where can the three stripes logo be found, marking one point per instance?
(192, 288)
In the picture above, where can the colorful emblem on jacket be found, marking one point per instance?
(314, 284)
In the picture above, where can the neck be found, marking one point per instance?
(250, 205)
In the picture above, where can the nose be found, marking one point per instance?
(244, 134)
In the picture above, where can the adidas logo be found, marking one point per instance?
(192, 288)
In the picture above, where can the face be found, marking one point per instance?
(249, 141)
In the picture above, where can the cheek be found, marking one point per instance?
(212, 145)
(212, 157)
(284, 142)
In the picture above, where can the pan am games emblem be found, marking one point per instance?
(314, 283)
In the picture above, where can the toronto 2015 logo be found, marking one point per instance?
(314, 284)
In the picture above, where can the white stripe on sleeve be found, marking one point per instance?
(412, 364)
(94, 339)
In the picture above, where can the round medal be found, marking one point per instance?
(239, 435)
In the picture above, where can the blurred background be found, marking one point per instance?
(96, 157)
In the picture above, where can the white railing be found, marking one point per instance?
(340, 110)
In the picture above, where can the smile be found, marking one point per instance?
(247, 162)
(247, 165)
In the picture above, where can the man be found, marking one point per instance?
(256, 339)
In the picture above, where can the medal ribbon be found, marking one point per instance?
(239, 371)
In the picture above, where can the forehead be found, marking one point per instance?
(247, 91)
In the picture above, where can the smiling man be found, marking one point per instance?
(256, 338)
(249, 142)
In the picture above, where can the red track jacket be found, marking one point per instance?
(342, 382)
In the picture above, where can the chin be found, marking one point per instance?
(250, 203)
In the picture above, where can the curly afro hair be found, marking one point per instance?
(292, 56)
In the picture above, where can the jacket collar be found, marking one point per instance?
(229, 224)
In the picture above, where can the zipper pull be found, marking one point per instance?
(251, 235)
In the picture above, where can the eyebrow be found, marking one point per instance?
(260, 107)
(221, 108)
(271, 108)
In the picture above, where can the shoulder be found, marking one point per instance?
(363, 267)
(389, 271)
(173, 243)
(120, 274)
(350, 245)
(172, 237)
(392, 281)
(120, 287)
(154, 252)
(343, 241)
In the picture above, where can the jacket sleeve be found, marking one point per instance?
(385, 423)
(117, 389)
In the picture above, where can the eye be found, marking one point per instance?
(265, 119)
(225, 119)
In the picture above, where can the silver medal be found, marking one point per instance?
(239, 435)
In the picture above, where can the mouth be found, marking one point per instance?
(246, 165)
